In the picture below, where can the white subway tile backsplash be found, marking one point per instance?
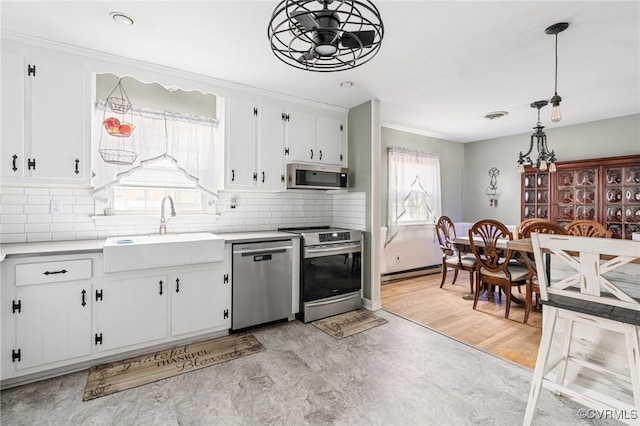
(25, 214)
(11, 208)
(13, 218)
(13, 199)
(39, 199)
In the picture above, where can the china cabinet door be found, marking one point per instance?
(241, 144)
(535, 195)
(330, 140)
(622, 200)
(577, 195)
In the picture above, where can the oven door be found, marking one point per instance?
(331, 270)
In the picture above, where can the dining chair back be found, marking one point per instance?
(487, 238)
(587, 228)
(543, 227)
(591, 288)
(452, 257)
(517, 233)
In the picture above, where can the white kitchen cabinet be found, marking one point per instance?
(314, 138)
(130, 311)
(199, 300)
(330, 140)
(45, 118)
(301, 137)
(46, 312)
(53, 323)
(255, 146)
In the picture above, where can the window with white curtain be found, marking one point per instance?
(175, 157)
(414, 196)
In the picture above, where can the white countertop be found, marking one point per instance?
(84, 246)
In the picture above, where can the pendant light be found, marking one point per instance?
(554, 29)
(325, 35)
(546, 159)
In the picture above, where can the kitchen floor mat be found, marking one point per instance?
(349, 323)
(113, 377)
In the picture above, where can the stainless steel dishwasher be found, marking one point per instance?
(262, 283)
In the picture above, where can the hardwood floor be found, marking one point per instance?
(443, 309)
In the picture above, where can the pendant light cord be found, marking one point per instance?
(556, 79)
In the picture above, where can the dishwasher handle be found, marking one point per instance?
(263, 251)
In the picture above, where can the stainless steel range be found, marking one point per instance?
(331, 271)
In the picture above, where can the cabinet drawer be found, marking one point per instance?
(52, 272)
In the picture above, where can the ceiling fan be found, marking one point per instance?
(342, 34)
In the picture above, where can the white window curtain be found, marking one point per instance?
(409, 171)
(185, 139)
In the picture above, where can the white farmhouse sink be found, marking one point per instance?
(159, 251)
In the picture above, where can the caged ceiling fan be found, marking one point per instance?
(325, 35)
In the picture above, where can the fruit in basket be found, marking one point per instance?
(125, 129)
(111, 123)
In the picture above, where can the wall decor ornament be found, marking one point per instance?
(492, 189)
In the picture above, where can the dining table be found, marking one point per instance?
(463, 244)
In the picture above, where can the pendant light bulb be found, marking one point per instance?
(556, 114)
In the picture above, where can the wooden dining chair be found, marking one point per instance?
(533, 284)
(587, 228)
(589, 287)
(517, 233)
(494, 259)
(452, 257)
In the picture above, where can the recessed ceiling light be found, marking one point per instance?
(346, 84)
(495, 115)
(121, 18)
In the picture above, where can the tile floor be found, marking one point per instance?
(399, 373)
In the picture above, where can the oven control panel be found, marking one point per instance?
(334, 236)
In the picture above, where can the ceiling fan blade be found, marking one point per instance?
(306, 57)
(350, 41)
(305, 18)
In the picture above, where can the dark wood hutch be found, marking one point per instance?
(606, 190)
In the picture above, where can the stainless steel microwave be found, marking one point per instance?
(315, 176)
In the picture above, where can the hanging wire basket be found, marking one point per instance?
(119, 102)
(117, 144)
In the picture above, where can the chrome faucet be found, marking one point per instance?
(163, 221)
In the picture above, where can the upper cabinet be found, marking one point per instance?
(45, 115)
(315, 138)
(254, 146)
(262, 136)
(606, 190)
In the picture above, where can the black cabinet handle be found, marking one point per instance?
(14, 168)
(233, 175)
(255, 177)
(77, 162)
(177, 285)
(84, 294)
(160, 287)
(31, 164)
(312, 154)
(320, 154)
(64, 271)
(262, 177)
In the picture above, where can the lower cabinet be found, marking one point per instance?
(198, 301)
(52, 323)
(61, 310)
(130, 312)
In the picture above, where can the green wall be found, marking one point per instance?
(452, 158)
(604, 138)
(360, 175)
